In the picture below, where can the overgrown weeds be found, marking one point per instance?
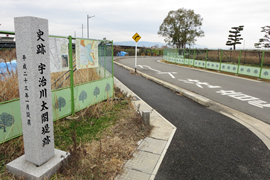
(9, 85)
(100, 141)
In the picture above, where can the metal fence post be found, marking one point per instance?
(170, 55)
(261, 65)
(175, 55)
(206, 57)
(239, 61)
(112, 70)
(71, 74)
(184, 56)
(189, 56)
(221, 52)
(104, 62)
(194, 57)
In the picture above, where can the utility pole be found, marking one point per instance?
(88, 17)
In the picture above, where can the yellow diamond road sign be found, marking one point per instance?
(136, 37)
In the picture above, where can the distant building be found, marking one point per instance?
(7, 39)
(7, 42)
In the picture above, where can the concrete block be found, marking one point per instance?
(22, 168)
(143, 161)
(161, 133)
(146, 117)
(129, 174)
(159, 122)
(155, 146)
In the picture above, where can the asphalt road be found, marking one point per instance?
(248, 96)
(206, 145)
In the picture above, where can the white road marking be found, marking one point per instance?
(211, 72)
(159, 72)
(185, 81)
(243, 97)
(198, 83)
(236, 95)
(171, 75)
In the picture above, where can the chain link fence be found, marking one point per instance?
(254, 63)
(9, 88)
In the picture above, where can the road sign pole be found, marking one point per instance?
(136, 38)
(136, 57)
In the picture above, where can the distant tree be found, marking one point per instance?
(61, 102)
(265, 41)
(83, 96)
(108, 87)
(6, 120)
(181, 27)
(233, 38)
(96, 91)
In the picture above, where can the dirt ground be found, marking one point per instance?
(100, 157)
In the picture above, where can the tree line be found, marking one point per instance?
(183, 26)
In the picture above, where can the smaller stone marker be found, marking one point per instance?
(33, 64)
(146, 117)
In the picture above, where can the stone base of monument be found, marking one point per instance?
(22, 168)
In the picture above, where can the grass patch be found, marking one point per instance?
(100, 141)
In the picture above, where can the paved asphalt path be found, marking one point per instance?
(190, 79)
(206, 145)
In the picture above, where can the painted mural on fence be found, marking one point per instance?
(86, 53)
(58, 54)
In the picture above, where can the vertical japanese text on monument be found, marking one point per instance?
(42, 84)
(26, 90)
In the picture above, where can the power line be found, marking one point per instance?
(82, 7)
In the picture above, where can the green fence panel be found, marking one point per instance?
(187, 61)
(199, 63)
(91, 93)
(212, 65)
(61, 102)
(85, 94)
(249, 70)
(108, 93)
(214, 61)
(229, 67)
(180, 60)
(11, 124)
(171, 59)
(265, 73)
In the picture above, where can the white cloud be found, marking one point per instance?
(118, 20)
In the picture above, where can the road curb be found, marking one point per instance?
(258, 127)
(142, 167)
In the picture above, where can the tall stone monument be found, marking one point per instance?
(33, 64)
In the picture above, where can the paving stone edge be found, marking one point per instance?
(162, 155)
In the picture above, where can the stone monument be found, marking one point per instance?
(41, 159)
